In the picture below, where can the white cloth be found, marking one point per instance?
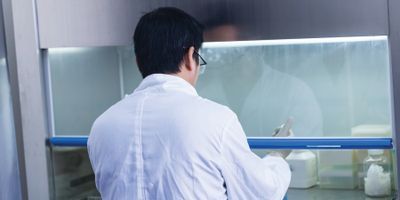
(165, 142)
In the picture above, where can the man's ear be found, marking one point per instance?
(189, 62)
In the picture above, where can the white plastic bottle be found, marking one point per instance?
(303, 164)
(377, 181)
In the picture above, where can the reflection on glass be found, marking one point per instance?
(73, 175)
(329, 86)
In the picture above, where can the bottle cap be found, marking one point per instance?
(375, 152)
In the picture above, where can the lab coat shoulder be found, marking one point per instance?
(220, 114)
(216, 109)
(107, 121)
(211, 116)
(109, 133)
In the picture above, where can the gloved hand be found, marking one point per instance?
(284, 133)
(277, 132)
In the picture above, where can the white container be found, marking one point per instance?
(371, 130)
(377, 181)
(368, 130)
(303, 164)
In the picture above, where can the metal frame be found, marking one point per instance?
(394, 42)
(121, 73)
(29, 102)
(49, 92)
(11, 138)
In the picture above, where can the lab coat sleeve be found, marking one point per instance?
(246, 175)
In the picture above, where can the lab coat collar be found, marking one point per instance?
(166, 82)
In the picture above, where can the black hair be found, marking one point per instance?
(162, 38)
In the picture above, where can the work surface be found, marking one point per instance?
(316, 193)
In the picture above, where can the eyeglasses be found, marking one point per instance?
(202, 64)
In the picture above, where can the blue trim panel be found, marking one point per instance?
(320, 143)
(69, 141)
(274, 143)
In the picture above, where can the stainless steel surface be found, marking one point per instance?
(66, 23)
(29, 101)
(295, 19)
(394, 41)
(9, 176)
(316, 193)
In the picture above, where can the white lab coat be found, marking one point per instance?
(166, 142)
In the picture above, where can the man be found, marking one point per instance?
(164, 141)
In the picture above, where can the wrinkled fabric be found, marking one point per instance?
(165, 142)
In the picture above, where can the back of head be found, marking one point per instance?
(161, 39)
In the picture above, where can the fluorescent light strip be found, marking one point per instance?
(66, 50)
(293, 41)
